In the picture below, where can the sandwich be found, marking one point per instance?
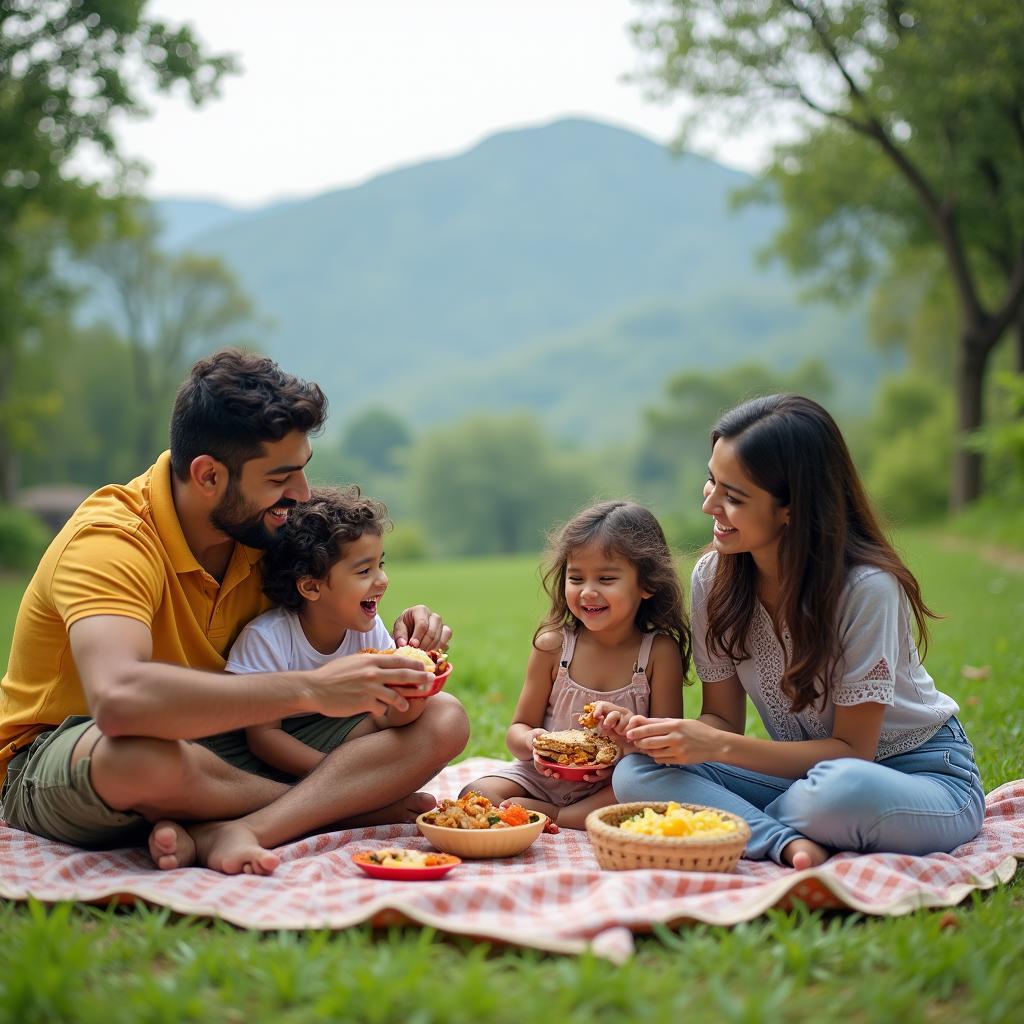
(575, 747)
(432, 661)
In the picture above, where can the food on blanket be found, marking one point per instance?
(679, 821)
(575, 747)
(433, 660)
(474, 811)
(402, 858)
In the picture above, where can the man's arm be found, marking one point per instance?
(129, 695)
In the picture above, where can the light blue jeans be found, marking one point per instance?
(929, 800)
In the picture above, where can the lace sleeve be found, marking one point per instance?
(712, 667)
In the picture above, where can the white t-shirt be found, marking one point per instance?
(274, 642)
(880, 664)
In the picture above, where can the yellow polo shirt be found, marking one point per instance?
(121, 553)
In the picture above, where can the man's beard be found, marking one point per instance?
(241, 522)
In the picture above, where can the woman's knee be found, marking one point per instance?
(630, 776)
(846, 787)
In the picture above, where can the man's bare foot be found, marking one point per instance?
(401, 812)
(804, 853)
(171, 846)
(232, 848)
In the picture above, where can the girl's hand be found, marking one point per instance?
(676, 740)
(600, 774)
(543, 768)
(525, 751)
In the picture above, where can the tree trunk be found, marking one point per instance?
(1018, 363)
(970, 383)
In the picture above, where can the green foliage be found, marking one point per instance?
(1003, 439)
(910, 147)
(376, 438)
(67, 68)
(911, 439)
(494, 485)
(406, 543)
(23, 538)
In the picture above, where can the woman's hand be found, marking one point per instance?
(677, 740)
(420, 627)
(611, 718)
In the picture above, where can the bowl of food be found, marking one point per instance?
(404, 865)
(681, 837)
(432, 661)
(574, 753)
(473, 827)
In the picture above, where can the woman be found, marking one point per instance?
(803, 605)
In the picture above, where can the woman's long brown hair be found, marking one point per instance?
(631, 531)
(791, 448)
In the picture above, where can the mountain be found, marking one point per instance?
(555, 268)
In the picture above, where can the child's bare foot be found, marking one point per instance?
(232, 848)
(804, 853)
(401, 812)
(171, 846)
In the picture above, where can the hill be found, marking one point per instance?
(544, 268)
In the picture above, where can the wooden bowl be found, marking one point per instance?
(483, 842)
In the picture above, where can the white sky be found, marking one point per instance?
(332, 93)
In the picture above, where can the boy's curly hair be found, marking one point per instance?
(315, 536)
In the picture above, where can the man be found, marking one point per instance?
(119, 647)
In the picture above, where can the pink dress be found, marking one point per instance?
(565, 705)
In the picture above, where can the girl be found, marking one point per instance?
(616, 636)
(803, 605)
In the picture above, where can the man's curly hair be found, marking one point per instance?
(315, 537)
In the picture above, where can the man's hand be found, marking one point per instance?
(420, 627)
(366, 682)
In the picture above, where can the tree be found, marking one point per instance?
(375, 438)
(170, 309)
(913, 139)
(66, 68)
(493, 485)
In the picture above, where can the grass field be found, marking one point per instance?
(85, 964)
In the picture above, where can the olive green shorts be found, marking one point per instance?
(44, 795)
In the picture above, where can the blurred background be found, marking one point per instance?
(529, 250)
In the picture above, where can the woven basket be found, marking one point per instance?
(619, 851)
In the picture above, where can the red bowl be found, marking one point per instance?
(435, 687)
(571, 772)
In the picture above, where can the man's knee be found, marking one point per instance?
(449, 724)
(132, 771)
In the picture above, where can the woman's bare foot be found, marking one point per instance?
(171, 846)
(804, 853)
(232, 848)
(401, 812)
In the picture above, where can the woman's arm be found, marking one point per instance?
(528, 717)
(272, 745)
(855, 734)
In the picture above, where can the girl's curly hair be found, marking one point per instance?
(315, 536)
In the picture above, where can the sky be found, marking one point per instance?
(334, 92)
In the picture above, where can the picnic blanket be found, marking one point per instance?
(554, 897)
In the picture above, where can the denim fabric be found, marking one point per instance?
(928, 800)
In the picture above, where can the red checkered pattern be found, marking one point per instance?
(553, 897)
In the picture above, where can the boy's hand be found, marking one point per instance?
(366, 682)
(420, 627)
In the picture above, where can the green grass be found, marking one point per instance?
(113, 965)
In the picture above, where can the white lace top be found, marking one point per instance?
(880, 664)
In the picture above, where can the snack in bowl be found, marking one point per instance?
(404, 865)
(432, 661)
(473, 827)
(677, 820)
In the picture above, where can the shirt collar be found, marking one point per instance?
(168, 525)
